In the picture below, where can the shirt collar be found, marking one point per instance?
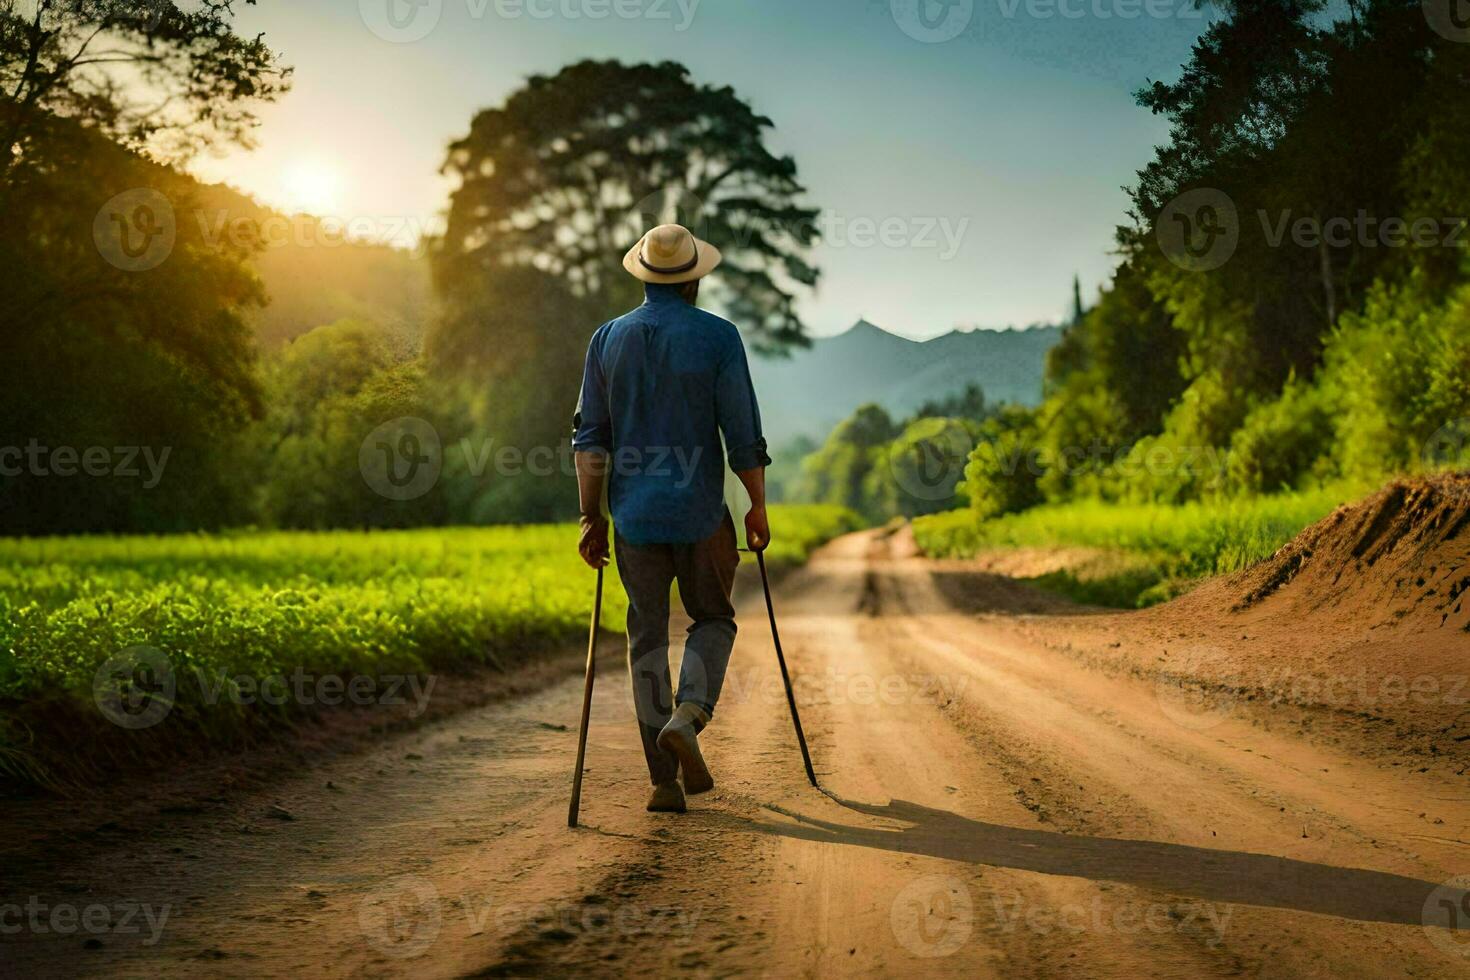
(657, 292)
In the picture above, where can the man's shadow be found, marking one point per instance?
(1212, 875)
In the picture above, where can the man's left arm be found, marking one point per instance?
(745, 444)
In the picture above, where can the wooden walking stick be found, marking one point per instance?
(806, 757)
(586, 704)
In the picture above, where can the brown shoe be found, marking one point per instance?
(666, 798)
(681, 737)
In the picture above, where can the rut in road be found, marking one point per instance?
(996, 809)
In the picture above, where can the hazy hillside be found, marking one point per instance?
(311, 286)
(313, 275)
(817, 388)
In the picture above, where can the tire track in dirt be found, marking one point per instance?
(1041, 714)
(1016, 912)
(816, 906)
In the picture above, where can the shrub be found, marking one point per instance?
(1400, 371)
(921, 470)
(1283, 442)
(1004, 471)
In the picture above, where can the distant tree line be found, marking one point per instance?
(881, 468)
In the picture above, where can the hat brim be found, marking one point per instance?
(709, 260)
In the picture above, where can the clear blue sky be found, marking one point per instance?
(1016, 135)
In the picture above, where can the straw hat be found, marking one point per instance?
(670, 254)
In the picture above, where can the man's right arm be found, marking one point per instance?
(757, 524)
(593, 544)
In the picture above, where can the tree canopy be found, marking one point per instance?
(121, 328)
(1291, 298)
(146, 74)
(566, 175)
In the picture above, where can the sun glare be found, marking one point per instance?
(312, 186)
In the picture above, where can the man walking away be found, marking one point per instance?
(660, 385)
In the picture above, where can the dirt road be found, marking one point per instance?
(996, 809)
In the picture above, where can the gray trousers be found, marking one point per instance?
(705, 572)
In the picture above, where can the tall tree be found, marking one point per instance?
(572, 169)
(554, 186)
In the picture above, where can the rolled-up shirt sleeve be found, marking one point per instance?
(592, 424)
(739, 414)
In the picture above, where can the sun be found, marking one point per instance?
(313, 186)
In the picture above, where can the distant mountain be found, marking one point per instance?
(815, 389)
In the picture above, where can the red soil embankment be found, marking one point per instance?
(1358, 628)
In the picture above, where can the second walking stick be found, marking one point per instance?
(806, 757)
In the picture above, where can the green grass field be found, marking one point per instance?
(1155, 550)
(259, 605)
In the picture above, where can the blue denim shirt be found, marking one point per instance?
(660, 385)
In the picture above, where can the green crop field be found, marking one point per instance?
(1155, 550)
(258, 605)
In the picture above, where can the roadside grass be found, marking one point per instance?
(1153, 551)
(1115, 579)
(258, 605)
